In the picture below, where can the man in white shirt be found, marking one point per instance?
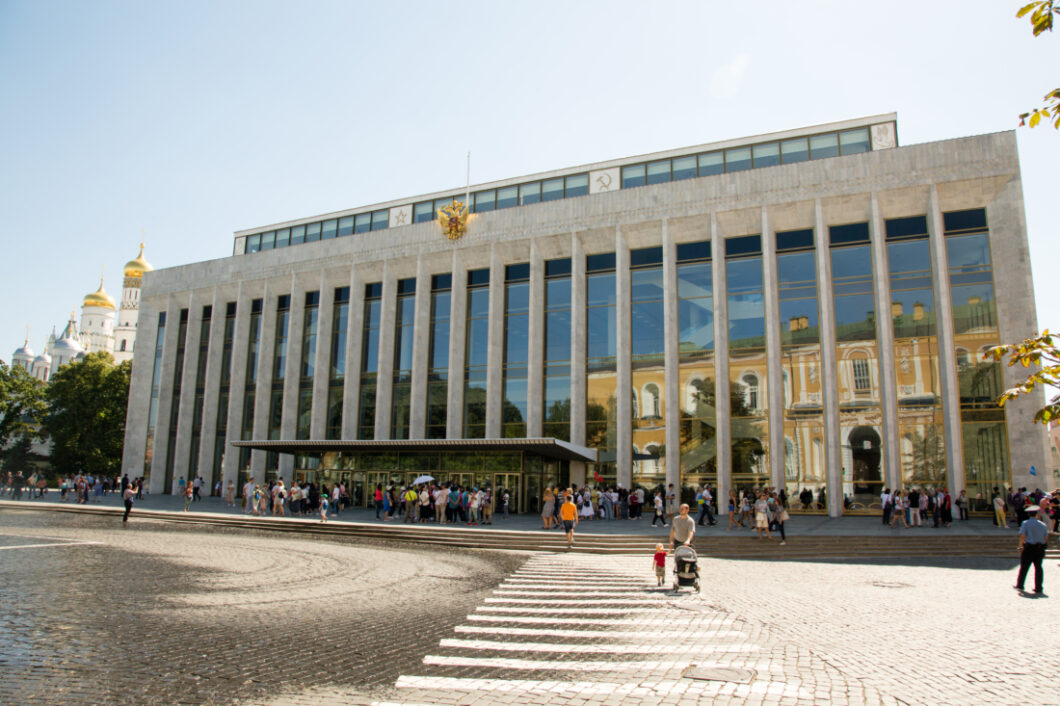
(885, 503)
(248, 496)
(441, 499)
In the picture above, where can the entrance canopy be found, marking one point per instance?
(547, 447)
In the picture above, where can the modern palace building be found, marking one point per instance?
(805, 309)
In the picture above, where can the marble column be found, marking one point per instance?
(421, 346)
(721, 347)
(577, 355)
(212, 388)
(292, 373)
(829, 387)
(454, 423)
(885, 337)
(623, 363)
(318, 416)
(182, 467)
(351, 387)
(671, 358)
(774, 392)
(384, 388)
(535, 392)
(495, 347)
(237, 386)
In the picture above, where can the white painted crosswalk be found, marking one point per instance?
(563, 629)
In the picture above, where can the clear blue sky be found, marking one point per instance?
(194, 119)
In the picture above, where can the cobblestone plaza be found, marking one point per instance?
(161, 613)
(834, 290)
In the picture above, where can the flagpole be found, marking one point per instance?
(467, 190)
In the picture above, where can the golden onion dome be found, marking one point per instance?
(137, 267)
(99, 298)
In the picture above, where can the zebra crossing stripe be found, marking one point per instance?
(573, 611)
(713, 636)
(662, 688)
(556, 665)
(551, 620)
(578, 601)
(630, 648)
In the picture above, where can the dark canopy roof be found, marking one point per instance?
(552, 448)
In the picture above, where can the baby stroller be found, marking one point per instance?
(686, 567)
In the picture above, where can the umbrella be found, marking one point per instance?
(423, 479)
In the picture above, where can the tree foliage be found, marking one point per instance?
(1041, 14)
(1042, 353)
(86, 415)
(21, 404)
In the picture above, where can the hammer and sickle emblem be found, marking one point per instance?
(604, 180)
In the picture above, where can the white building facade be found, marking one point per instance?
(805, 310)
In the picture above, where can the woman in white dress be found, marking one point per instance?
(587, 506)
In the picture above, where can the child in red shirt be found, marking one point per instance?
(659, 562)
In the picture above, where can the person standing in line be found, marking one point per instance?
(762, 515)
(568, 515)
(745, 510)
(999, 511)
(412, 504)
(188, 496)
(336, 496)
(377, 499)
(733, 517)
(248, 496)
(441, 504)
(548, 508)
(962, 505)
(671, 498)
(913, 501)
(898, 509)
(705, 499)
(778, 515)
(658, 561)
(127, 497)
(486, 506)
(230, 494)
(424, 499)
(633, 500)
(506, 498)
(324, 507)
(886, 504)
(1033, 536)
(659, 512)
(682, 529)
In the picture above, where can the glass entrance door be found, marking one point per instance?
(375, 478)
(507, 482)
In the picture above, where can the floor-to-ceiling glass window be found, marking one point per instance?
(307, 367)
(404, 329)
(438, 365)
(224, 392)
(696, 372)
(857, 367)
(174, 405)
(601, 372)
(279, 363)
(748, 393)
(921, 433)
(476, 353)
(648, 337)
(250, 385)
(340, 320)
(557, 349)
(805, 475)
(516, 349)
(200, 392)
(152, 410)
(373, 303)
(983, 431)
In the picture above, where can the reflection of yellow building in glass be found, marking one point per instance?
(805, 310)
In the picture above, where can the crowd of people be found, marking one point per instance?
(81, 488)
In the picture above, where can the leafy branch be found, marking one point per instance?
(1041, 16)
(1043, 353)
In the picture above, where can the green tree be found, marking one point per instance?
(86, 415)
(21, 405)
(1041, 16)
(1043, 354)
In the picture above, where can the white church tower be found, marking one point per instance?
(97, 321)
(67, 347)
(125, 333)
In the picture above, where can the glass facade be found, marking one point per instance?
(648, 338)
(224, 392)
(279, 363)
(805, 474)
(250, 383)
(438, 358)
(373, 302)
(476, 353)
(601, 372)
(516, 349)
(307, 367)
(556, 374)
(174, 405)
(404, 329)
(200, 392)
(696, 371)
(152, 410)
(340, 321)
(983, 432)
(857, 367)
(921, 432)
(748, 392)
